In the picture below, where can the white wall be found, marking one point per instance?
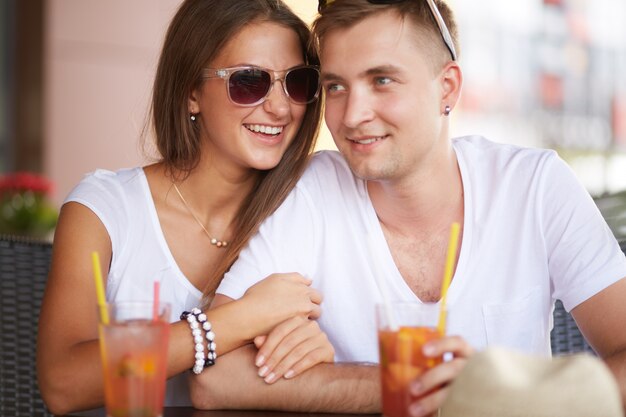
(99, 61)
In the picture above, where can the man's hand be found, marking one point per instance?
(436, 380)
(291, 348)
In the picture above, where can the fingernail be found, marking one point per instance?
(260, 360)
(416, 388)
(270, 378)
(415, 410)
(428, 350)
(289, 374)
(263, 371)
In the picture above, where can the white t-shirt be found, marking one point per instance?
(123, 203)
(532, 235)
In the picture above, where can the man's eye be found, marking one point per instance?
(382, 80)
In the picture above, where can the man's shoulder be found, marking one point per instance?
(327, 167)
(328, 180)
(325, 159)
(477, 151)
(483, 147)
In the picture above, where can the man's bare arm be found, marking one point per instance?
(601, 320)
(233, 383)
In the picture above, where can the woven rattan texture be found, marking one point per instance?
(566, 337)
(23, 272)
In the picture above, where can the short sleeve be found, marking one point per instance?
(101, 193)
(584, 256)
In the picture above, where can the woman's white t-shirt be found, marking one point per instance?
(123, 203)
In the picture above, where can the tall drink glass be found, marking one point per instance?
(133, 347)
(401, 357)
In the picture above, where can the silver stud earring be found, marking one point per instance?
(193, 117)
(446, 111)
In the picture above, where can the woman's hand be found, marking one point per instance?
(280, 297)
(291, 348)
(436, 380)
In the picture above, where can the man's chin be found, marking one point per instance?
(365, 172)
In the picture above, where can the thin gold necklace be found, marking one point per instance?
(214, 241)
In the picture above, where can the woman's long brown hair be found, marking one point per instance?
(197, 33)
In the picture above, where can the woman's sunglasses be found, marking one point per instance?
(443, 29)
(250, 86)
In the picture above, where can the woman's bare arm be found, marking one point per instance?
(68, 348)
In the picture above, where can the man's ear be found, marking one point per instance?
(451, 83)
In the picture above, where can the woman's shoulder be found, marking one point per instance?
(108, 184)
(118, 198)
(107, 177)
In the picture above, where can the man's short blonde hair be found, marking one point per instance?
(342, 14)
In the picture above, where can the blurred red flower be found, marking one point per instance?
(24, 205)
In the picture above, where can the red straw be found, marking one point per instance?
(155, 306)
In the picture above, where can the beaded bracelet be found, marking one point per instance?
(198, 322)
(196, 333)
(210, 343)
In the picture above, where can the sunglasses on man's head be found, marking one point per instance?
(443, 29)
(250, 86)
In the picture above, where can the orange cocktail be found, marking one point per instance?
(403, 329)
(134, 355)
(401, 361)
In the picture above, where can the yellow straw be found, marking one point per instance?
(97, 274)
(447, 274)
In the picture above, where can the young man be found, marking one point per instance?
(530, 232)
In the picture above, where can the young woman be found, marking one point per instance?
(235, 114)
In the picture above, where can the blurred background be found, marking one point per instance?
(75, 81)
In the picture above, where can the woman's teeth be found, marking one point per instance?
(267, 130)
